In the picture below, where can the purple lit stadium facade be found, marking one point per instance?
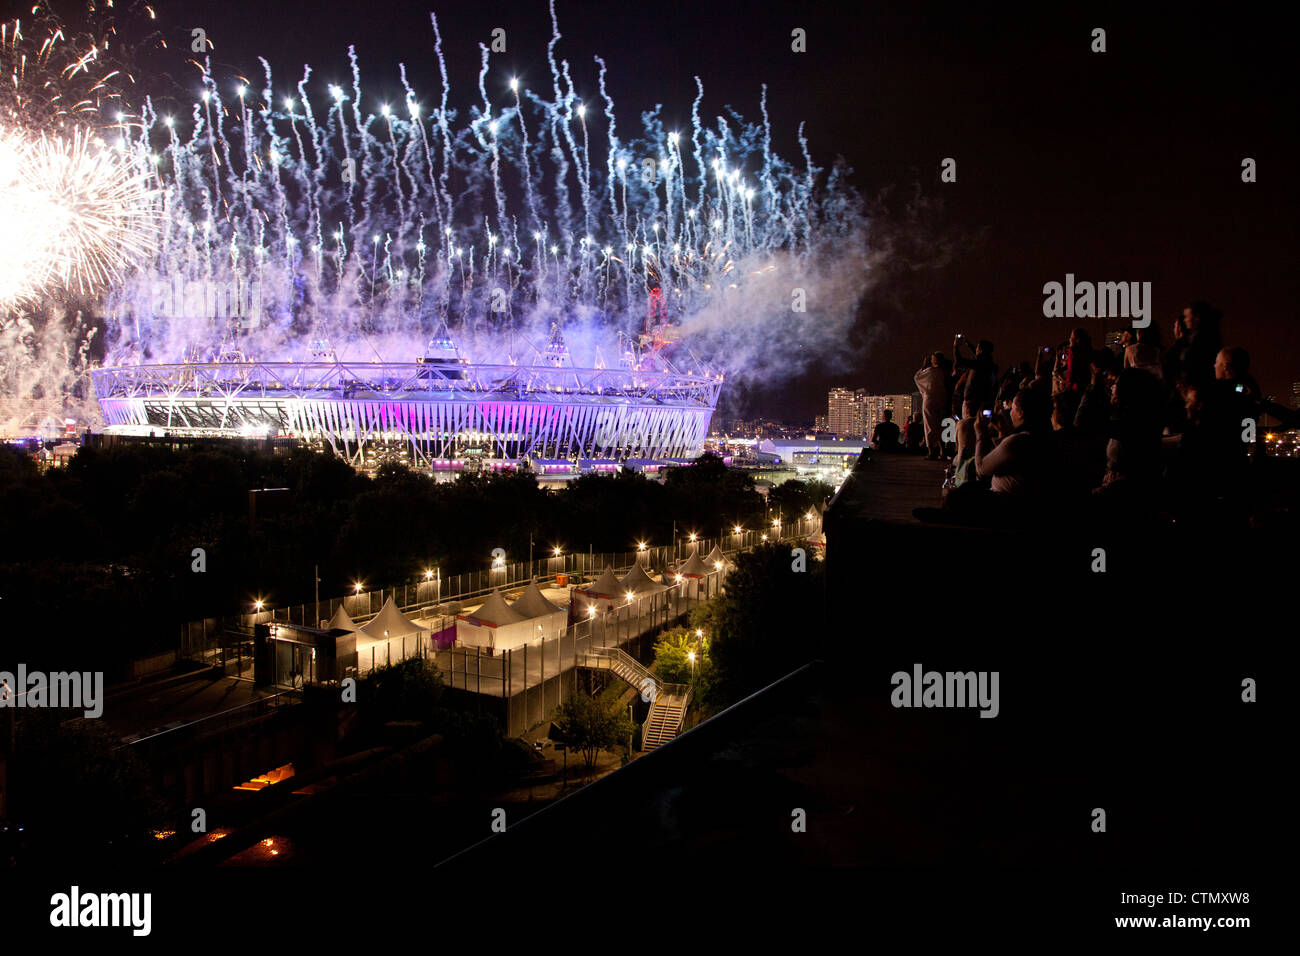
(431, 412)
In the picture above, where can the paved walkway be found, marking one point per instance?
(891, 485)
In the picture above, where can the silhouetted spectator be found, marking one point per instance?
(1133, 452)
(1202, 323)
(914, 435)
(1145, 352)
(1093, 415)
(1207, 473)
(885, 435)
(982, 380)
(1079, 454)
(1078, 358)
(1232, 366)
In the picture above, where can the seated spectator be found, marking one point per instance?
(964, 462)
(1020, 464)
(914, 435)
(885, 435)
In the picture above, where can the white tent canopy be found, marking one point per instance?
(496, 625)
(606, 585)
(389, 623)
(341, 621)
(715, 558)
(533, 603)
(540, 612)
(639, 583)
(494, 612)
(694, 567)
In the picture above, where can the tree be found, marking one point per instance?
(408, 690)
(590, 726)
(78, 793)
(795, 498)
(673, 663)
(765, 623)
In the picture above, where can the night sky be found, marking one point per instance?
(1118, 166)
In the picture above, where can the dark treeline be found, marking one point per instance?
(96, 559)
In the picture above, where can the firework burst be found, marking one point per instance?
(76, 215)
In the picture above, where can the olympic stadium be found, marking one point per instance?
(435, 412)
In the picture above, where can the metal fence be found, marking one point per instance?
(201, 640)
(528, 681)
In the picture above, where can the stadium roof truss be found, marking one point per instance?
(439, 409)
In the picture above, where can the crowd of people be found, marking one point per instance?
(1151, 432)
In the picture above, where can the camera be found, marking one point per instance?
(988, 413)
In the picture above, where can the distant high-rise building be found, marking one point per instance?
(853, 413)
(1295, 395)
(844, 411)
(819, 424)
(874, 407)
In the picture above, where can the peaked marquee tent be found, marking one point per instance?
(494, 625)
(639, 583)
(341, 621)
(694, 566)
(534, 606)
(389, 623)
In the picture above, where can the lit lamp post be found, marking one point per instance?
(640, 550)
(690, 656)
(558, 553)
(356, 592)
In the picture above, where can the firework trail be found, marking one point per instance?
(373, 225)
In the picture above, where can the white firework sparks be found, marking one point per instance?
(75, 215)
